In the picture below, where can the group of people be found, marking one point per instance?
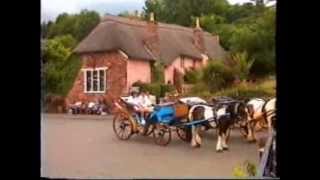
(142, 103)
(97, 107)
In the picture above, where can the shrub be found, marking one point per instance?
(61, 66)
(247, 169)
(241, 64)
(157, 71)
(217, 75)
(166, 88)
(245, 90)
(199, 89)
(192, 76)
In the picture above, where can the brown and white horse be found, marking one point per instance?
(262, 111)
(223, 116)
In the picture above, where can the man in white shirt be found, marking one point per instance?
(135, 100)
(146, 102)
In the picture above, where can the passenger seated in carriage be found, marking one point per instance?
(146, 102)
(141, 104)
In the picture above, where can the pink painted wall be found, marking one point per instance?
(188, 63)
(138, 70)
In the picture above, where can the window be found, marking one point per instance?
(95, 80)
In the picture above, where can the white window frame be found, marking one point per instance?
(85, 70)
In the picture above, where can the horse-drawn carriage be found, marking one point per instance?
(161, 122)
(165, 118)
(183, 116)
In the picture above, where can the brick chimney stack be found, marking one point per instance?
(198, 23)
(151, 39)
(151, 17)
(198, 39)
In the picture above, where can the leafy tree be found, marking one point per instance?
(77, 25)
(216, 75)
(258, 39)
(60, 65)
(181, 11)
(241, 64)
(157, 70)
(84, 23)
(45, 26)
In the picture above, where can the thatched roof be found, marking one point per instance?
(129, 35)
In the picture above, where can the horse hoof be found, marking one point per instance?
(226, 148)
(252, 141)
(219, 150)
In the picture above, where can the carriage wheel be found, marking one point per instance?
(150, 130)
(162, 135)
(184, 134)
(122, 127)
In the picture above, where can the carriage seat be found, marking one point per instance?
(163, 114)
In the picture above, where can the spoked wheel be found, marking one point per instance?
(122, 127)
(150, 130)
(184, 134)
(162, 135)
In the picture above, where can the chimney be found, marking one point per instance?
(151, 38)
(198, 39)
(151, 17)
(198, 23)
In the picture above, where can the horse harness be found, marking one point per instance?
(227, 103)
(265, 114)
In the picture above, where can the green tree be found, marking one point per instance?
(181, 11)
(157, 70)
(84, 23)
(61, 66)
(241, 64)
(77, 25)
(216, 75)
(258, 39)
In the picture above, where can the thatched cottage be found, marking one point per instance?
(120, 51)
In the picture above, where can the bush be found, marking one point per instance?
(245, 90)
(217, 75)
(247, 169)
(240, 64)
(192, 76)
(199, 89)
(166, 88)
(157, 70)
(61, 66)
(263, 89)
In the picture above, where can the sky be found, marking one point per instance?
(50, 9)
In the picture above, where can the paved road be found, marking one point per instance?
(86, 147)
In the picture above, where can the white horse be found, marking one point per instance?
(221, 117)
(260, 110)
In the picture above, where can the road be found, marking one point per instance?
(86, 147)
